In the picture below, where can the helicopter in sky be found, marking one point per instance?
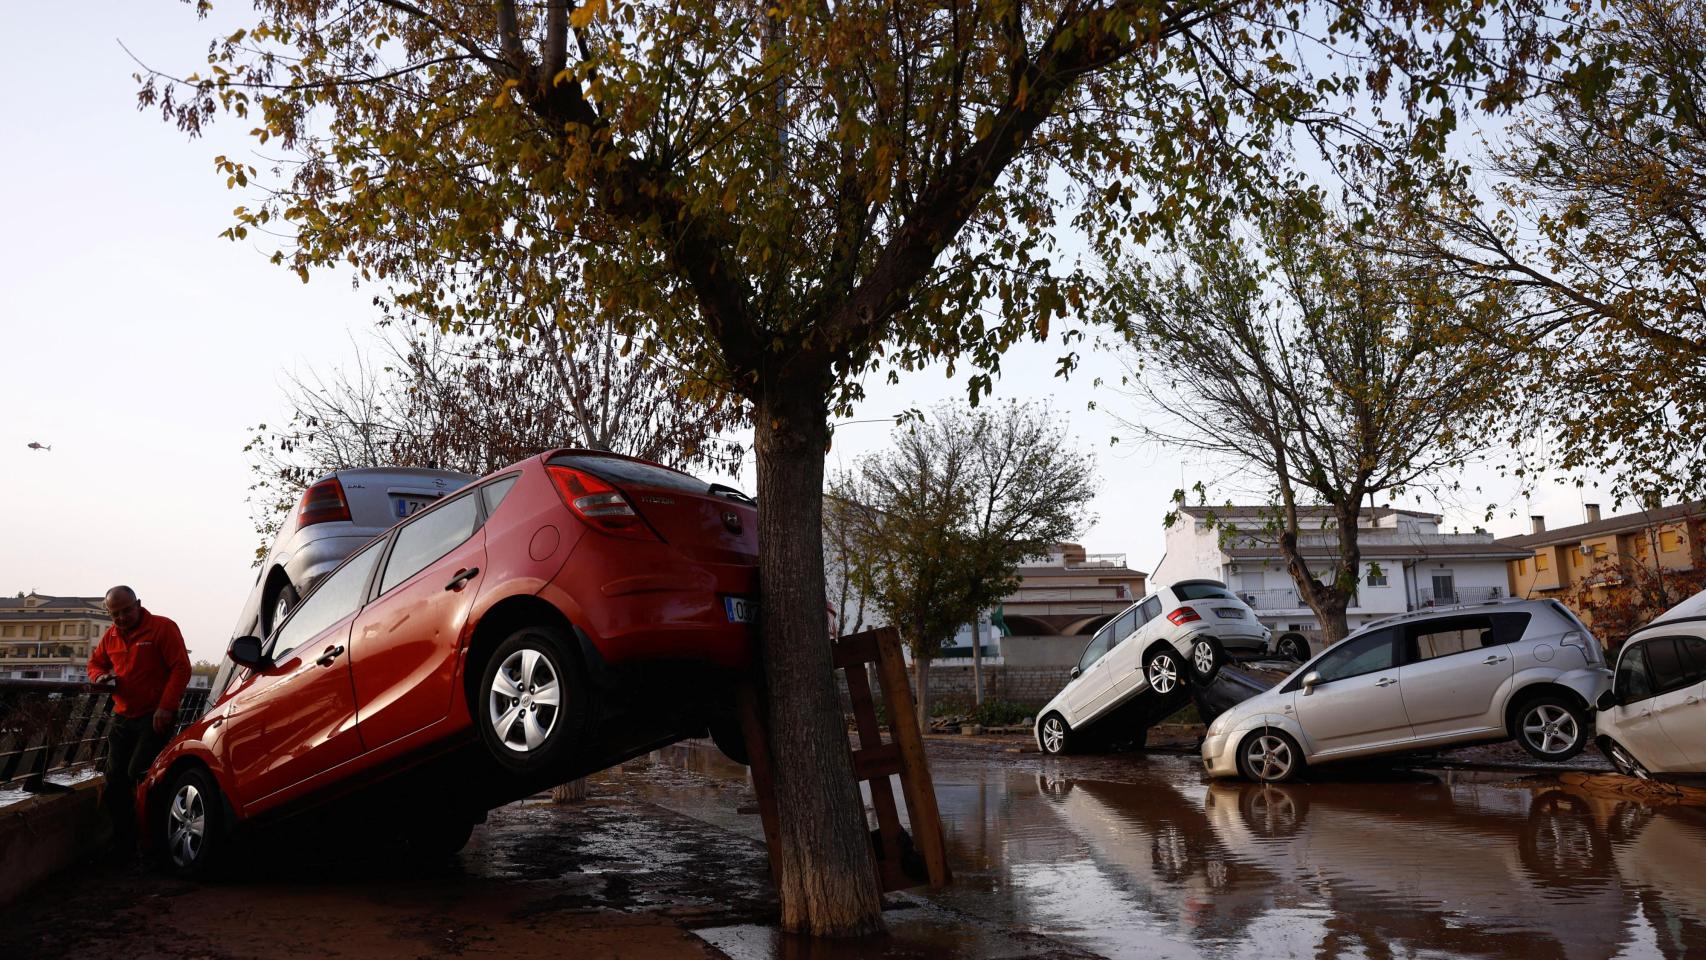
(40, 446)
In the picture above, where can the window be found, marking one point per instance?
(428, 537)
(1124, 626)
(1376, 576)
(619, 471)
(493, 493)
(1522, 568)
(337, 596)
(1599, 551)
(1694, 655)
(1359, 655)
(1149, 610)
(1670, 541)
(1099, 645)
(8, 631)
(1445, 636)
(1633, 684)
(1201, 591)
(1665, 664)
(1542, 562)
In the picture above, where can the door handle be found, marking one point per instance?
(331, 654)
(1385, 682)
(1493, 659)
(462, 577)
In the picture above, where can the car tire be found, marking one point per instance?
(1054, 736)
(1551, 728)
(730, 739)
(1624, 762)
(1292, 647)
(524, 735)
(1560, 844)
(193, 833)
(1269, 755)
(282, 603)
(1207, 657)
(1163, 670)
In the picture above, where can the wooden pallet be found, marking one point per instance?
(900, 864)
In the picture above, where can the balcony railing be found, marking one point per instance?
(1271, 599)
(1109, 592)
(1457, 597)
(46, 727)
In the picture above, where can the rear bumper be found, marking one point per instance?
(313, 559)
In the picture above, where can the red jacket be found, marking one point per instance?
(150, 663)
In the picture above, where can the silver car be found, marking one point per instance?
(1523, 669)
(337, 514)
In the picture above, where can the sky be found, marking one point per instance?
(144, 348)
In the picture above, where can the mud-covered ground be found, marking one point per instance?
(1122, 855)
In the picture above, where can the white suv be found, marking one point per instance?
(1526, 669)
(1174, 636)
(1653, 720)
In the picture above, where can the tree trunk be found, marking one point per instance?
(921, 673)
(827, 874)
(976, 661)
(569, 792)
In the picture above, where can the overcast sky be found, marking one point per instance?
(143, 347)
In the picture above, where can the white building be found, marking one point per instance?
(1407, 563)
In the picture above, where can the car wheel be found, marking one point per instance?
(1271, 812)
(1054, 736)
(1269, 756)
(192, 825)
(730, 739)
(281, 607)
(1551, 728)
(1560, 845)
(1164, 671)
(1624, 762)
(1206, 658)
(531, 704)
(1292, 647)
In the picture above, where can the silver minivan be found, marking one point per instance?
(1523, 669)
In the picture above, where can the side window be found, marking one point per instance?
(1124, 626)
(1149, 610)
(1694, 653)
(493, 493)
(1099, 645)
(428, 537)
(1665, 666)
(1633, 684)
(1359, 655)
(1448, 635)
(336, 597)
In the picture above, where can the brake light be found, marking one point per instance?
(323, 502)
(598, 504)
(1182, 616)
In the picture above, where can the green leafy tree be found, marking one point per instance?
(789, 197)
(1329, 374)
(935, 529)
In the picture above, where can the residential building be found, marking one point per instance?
(1060, 600)
(1407, 563)
(49, 638)
(1589, 564)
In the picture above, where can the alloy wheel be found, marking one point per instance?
(1626, 763)
(1550, 728)
(524, 701)
(1202, 656)
(1269, 757)
(1054, 734)
(1163, 674)
(188, 827)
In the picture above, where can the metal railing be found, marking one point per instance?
(1457, 597)
(52, 726)
(1271, 599)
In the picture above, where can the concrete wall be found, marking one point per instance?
(43, 835)
(1019, 651)
(1029, 686)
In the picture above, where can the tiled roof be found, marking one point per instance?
(1625, 523)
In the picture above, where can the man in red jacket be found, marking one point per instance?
(143, 656)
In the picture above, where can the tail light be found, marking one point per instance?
(1182, 616)
(598, 504)
(323, 502)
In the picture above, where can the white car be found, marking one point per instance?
(1174, 636)
(1526, 669)
(1653, 719)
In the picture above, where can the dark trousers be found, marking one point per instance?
(132, 746)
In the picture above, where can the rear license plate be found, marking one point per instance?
(740, 609)
(409, 506)
(1229, 613)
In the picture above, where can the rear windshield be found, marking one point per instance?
(1202, 591)
(620, 471)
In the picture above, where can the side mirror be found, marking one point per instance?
(1606, 700)
(1075, 673)
(246, 652)
(1310, 679)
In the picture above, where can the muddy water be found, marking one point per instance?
(1141, 857)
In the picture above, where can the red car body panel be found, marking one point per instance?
(387, 682)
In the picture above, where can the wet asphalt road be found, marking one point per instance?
(1131, 855)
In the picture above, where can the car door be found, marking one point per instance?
(1095, 678)
(1358, 704)
(1126, 657)
(296, 719)
(1677, 693)
(1454, 670)
(1687, 729)
(404, 645)
(1632, 717)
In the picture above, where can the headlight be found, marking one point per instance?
(1220, 723)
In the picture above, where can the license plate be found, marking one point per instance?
(1229, 613)
(740, 609)
(409, 506)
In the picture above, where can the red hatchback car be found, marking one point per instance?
(551, 620)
